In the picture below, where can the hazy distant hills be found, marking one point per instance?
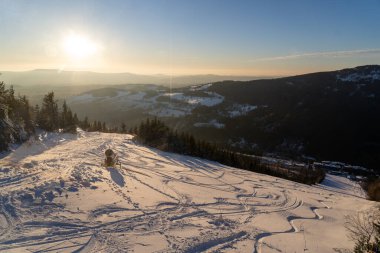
(329, 115)
(66, 78)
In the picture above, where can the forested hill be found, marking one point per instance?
(331, 115)
(328, 115)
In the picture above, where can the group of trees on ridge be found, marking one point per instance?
(50, 118)
(155, 133)
(16, 117)
(19, 120)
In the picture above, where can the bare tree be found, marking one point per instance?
(363, 229)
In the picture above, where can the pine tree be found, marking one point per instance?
(15, 117)
(4, 120)
(49, 116)
(86, 124)
(63, 119)
(71, 126)
(75, 119)
(27, 114)
(67, 121)
(123, 128)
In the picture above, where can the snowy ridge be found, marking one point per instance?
(211, 100)
(355, 77)
(56, 197)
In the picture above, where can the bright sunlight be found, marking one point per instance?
(79, 47)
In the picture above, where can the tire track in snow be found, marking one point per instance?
(152, 187)
(88, 246)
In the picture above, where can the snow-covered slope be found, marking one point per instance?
(55, 197)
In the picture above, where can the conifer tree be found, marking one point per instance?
(67, 121)
(86, 124)
(49, 113)
(123, 128)
(15, 117)
(63, 119)
(75, 119)
(4, 120)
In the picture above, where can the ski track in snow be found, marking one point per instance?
(59, 199)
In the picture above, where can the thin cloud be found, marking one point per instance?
(321, 54)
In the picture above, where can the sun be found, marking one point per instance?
(79, 47)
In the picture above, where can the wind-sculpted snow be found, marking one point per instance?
(59, 199)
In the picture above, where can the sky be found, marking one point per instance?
(235, 37)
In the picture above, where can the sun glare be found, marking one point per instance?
(79, 47)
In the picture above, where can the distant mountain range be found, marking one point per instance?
(328, 115)
(66, 78)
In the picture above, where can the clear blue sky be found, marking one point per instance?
(189, 37)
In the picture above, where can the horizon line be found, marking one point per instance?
(209, 74)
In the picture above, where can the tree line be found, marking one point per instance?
(155, 133)
(19, 120)
(16, 117)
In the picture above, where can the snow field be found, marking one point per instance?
(55, 197)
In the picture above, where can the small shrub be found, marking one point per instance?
(372, 187)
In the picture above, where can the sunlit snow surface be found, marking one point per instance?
(55, 197)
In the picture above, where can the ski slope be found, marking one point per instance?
(55, 197)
